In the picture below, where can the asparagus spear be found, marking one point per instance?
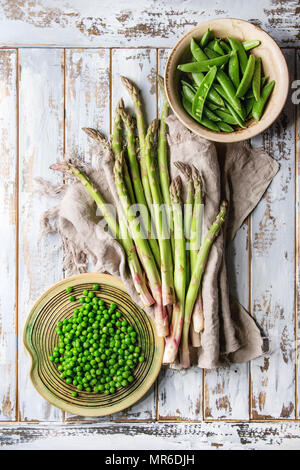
(162, 155)
(188, 210)
(126, 242)
(195, 282)
(141, 126)
(173, 340)
(137, 184)
(143, 249)
(160, 219)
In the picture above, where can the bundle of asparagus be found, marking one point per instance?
(164, 250)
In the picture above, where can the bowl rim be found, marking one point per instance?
(34, 376)
(236, 136)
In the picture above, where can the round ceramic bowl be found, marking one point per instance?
(40, 338)
(274, 66)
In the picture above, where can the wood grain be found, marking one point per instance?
(159, 24)
(153, 436)
(8, 232)
(41, 130)
(273, 273)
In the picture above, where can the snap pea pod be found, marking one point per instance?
(247, 77)
(217, 48)
(237, 46)
(183, 82)
(205, 38)
(226, 117)
(204, 121)
(212, 106)
(247, 45)
(250, 94)
(202, 92)
(188, 93)
(233, 69)
(249, 105)
(204, 65)
(213, 95)
(196, 51)
(229, 91)
(256, 80)
(232, 111)
(224, 127)
(211, 54)
(259, 105)
(210, 114)
(211, 44)
(225, 46)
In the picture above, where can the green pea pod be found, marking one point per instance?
(217, 48)
(256, 80)
(232, 111)
(247, 77)
(229, 92)
(249, 106)
(211, 44)
(226, 117)
(188, 93)
(247, 45)
(196, 51)
(264, 80)
(183, 82)
(224, 127)
(205, 38)
(210, 114)
(237, 46)
(211, 54)
(259, 105)
(211, 106)
(233, 69)
(202, 92)
(204, 65)
(204, 121)
(226, 48)
(212, 95)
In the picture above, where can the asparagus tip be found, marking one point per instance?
(96, 135)
(184, 169)
(61, 166)
(175, 189)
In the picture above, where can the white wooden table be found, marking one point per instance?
(60, 63)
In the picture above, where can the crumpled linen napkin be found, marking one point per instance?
(235, 172)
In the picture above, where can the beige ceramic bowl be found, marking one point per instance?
(274, 66)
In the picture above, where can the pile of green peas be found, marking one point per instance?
(98, 349)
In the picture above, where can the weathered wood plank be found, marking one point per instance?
(179, 393)
(139, 66)
(87, 104)
(227, 388)
(8, 196)
(153, 436)
(296, 100)
(273, 273)
(147, 23)
(41, 128)
(87, 100)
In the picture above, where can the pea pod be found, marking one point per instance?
(205, 38)
(256, 81)
(225, 46)
(204, 121)
(233, 69)
(234, 114)
(213, 95)
(188, 93)
(224, 127)
(226, 117)
(202, 92)
(247, 77)
(196, 51)
(217, 48)
(237, 46)
(210, 114)
(247, 45)
(211, 54)
(249, 106)
(204, 65)
(211, 44)
(211, 106)
(259, 105)
(229, 91)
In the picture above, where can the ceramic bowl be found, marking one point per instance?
(40, 338)
(274, 66)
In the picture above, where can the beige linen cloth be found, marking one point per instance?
(234, 172)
